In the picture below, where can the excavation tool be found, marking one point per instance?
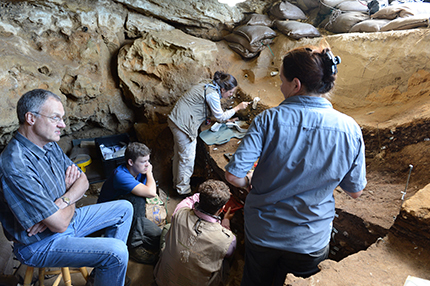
(254, 102)
(407, 182)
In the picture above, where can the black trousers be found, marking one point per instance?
(264, 266)
(143, 232)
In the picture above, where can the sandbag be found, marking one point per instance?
(332, 3)
(352, 6)
(328, 5)
(256, 47)
(369, 26)
(403, 10)
(306, 5)
(297, 30)
(255, 19)
(284, 10)
(245, 53)
(392, 12)
(406, 23)
(344, 22)
(255, 34)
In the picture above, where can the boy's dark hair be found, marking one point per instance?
(214, 195)
(135, 150)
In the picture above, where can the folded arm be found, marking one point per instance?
(148, 190)
(76, 186)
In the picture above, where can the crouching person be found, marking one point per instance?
(134, 181)
(198, 241)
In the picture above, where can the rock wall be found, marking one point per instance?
(71, 48)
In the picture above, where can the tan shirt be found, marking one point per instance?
(189, 258)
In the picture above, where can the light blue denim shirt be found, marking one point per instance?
(305, 150)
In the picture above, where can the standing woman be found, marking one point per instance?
(305, 149)
(190, 111)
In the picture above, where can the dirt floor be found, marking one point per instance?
(362, 226)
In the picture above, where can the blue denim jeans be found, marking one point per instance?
(108, 254)
(264, 266)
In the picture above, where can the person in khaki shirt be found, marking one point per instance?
(194, 107)
(198, 240)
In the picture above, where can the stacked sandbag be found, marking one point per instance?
(249, 40)
(297, 30)
(287, 19)
(284, 10)
(344, 21)
(352, 6)
(307, 5)
(343, 14)
(404, 16)
(369, 26)
(255, 19)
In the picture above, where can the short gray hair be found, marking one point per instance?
(32, 101)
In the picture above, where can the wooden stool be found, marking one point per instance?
(64, 272)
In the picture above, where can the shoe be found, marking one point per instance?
(144, 256)
(186, 195)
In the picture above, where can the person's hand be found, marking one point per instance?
(72, 174)
(37, 228)
(228, 215)
(243, 104)
(149, 168)
(234, 119)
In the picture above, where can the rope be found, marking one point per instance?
(334, 15)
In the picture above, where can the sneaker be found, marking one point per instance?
(144, 256)
(186, 195)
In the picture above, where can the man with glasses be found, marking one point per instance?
(39, 186)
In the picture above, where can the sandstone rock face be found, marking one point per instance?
(68, 53)
(205, 19)
(382, 79)
(70, 48)
(158, 67)
(414, 218)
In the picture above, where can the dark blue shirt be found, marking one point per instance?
(305, 150)
(31, 180)
(120, 183)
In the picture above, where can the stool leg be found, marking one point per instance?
(66, 276)
(84, 272)
(28, 276)
(42, 276)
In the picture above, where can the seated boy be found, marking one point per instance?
(198, 241)
(135, 182)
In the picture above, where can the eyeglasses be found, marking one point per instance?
(54, 118)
